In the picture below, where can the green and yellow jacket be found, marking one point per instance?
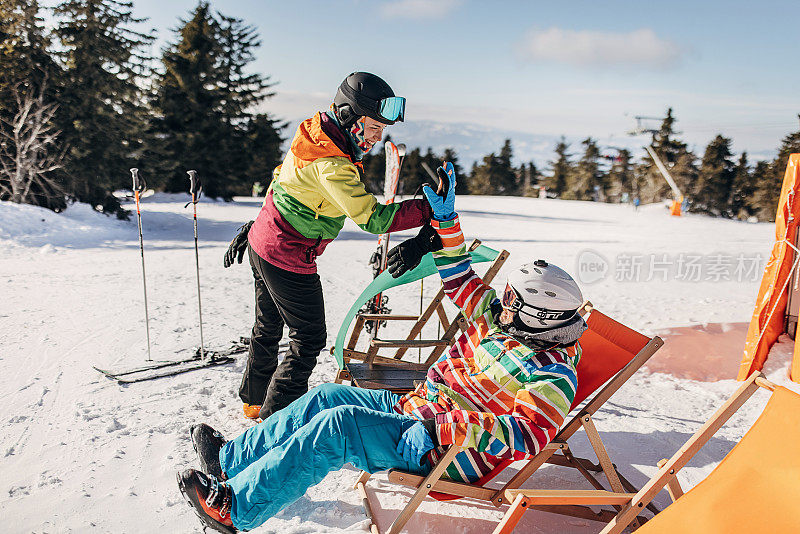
(316, 187)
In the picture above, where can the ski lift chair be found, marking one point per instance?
(371, 370)
(755, 488)
(612, 353)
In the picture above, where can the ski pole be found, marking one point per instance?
(194, 188)
(139, 186)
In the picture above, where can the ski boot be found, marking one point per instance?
(210, 499)
(207, 442)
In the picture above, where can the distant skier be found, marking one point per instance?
(502, 391)
(312, 191)
(636, 203)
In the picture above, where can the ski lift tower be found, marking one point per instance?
(677, 195)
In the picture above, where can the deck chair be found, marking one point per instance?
(612, 353)
(372, 370)
(754, 489)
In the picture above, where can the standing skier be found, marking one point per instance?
(502, 391)
(312, 191)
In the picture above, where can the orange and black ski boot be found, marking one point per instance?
(210, 499)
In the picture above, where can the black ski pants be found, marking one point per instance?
(282, 297)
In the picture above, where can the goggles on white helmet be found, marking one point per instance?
(540, 295)
(513, 302)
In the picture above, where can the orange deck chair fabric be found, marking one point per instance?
(608, 346)
(756, 487)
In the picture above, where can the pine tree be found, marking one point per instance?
(712, 191)
(25, 56)
(685, 171)
(587, 181)
(412, 175)
(263, 143)
(556, 183)
(241, 92)
(742, 190)
(769, 180)
(671, 152)
(496, 174)
(529, 177)
(189, 127)
(767, 190)
(482, 179)
(507, 178)
(204, 104)
(621, 183)
(103, 104)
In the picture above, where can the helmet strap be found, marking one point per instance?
(345, 115)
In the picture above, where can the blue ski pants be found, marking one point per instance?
(273, 463)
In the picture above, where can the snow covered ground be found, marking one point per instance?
(79, 453)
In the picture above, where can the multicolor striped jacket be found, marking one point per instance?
(489, 393)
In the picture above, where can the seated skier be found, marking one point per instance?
(502, 391)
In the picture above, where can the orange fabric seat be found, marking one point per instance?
(756, 487)
(607, 347)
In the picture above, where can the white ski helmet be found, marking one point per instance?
(541, 296)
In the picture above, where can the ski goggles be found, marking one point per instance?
(512, 301)
(392, 108)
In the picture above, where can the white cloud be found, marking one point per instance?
(419, 9)
(639, 48)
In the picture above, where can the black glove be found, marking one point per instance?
(409, 253)
(238, 246)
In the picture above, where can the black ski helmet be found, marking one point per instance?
(360, 94)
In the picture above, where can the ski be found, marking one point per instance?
(186, 366)
(175, 367)
(394, 159)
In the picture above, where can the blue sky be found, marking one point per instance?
(575, 68)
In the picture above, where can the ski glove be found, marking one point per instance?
(414, 443)
(238, 246)
(409, 253)
(443, 204)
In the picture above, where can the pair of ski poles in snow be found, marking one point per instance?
(195, 187)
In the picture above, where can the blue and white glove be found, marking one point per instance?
(443, 203)
(414, 443)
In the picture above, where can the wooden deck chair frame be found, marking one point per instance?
(633, 503)
(621, 488)
(394, 373)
